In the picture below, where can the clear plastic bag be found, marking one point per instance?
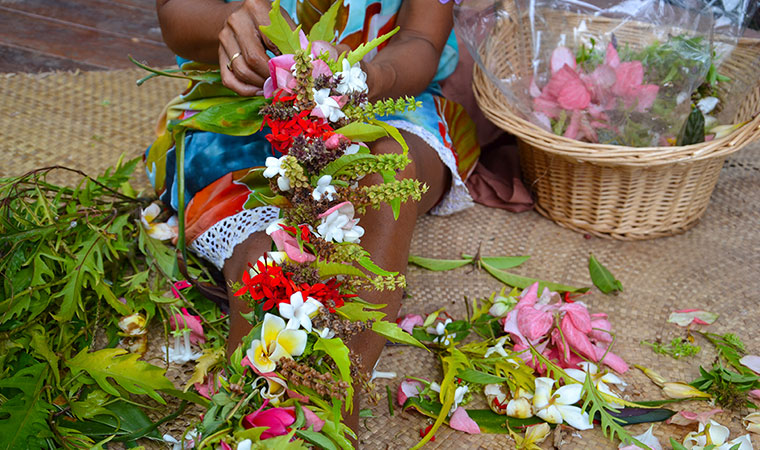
(616, 72)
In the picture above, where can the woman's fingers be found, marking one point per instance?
(243, 28)
(230, 78)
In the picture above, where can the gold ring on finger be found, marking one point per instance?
(229, 63)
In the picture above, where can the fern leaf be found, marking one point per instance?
(137, 377)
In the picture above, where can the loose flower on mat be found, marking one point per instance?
(158, 230)
(715, 436)
(647, 438)
(558, 407)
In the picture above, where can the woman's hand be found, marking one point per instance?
(242, 48)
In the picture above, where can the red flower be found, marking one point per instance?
(324, 292)
(424, 432)
(270, 284)
(283, 131)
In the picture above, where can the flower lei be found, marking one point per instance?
(289, 382)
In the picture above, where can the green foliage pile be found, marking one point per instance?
(73, 261)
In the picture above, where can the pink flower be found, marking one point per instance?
(187, 320)
(335, 140)
(287, 243)
(688, 417)
(410, 321)
(312, 420)
(208, 387)
(178, 286)
(280, 75)
(599, 322)
(461, 421)
(408, 388)
(225, 446)
(275, 419)
(754, 394)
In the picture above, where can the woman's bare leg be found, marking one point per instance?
(387, 240)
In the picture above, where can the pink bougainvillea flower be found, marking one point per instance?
(687, 417)
(461, 421)
(276, 420)
(409, 321)
(751, 362)
(187, 320)
(408, 388)
(686, 317)
(280, 75)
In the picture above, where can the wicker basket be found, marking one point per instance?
(606, 190)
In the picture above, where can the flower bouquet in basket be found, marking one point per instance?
(289, 383)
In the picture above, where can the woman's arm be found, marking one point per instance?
(221, 33)
(407, 65)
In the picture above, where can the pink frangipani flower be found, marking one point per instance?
(280, 75)
(275, 419)
(287, 243)
(409, 321)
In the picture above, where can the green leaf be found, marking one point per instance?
(279, 31)
(392, 132)
(523, 282)
(393, 333)
(312, 437)
(676, 445)
(93, 405)
(502, 262)
(602, 278)
(327, 270)
(210, 358)
(344, 164)
(487, 420)
(324, 29)
(137, 377)
(23, 417)
(693, 130)
(125, 421)
(356, 55)
(358, 311)
(338, 351)
(478, 377)
(39, 343)
(362, 132)
(438, 265)
(367, 263)
(240, 118)
(188, 396)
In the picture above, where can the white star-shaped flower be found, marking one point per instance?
(274, 168)
(327, 105)
(324, 188)
(352, 78)
(298, 312)
(498, 347)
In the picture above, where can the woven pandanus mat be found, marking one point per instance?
(83, 120)
(86, 120)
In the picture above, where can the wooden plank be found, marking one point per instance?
(82, 45)
(142, 4)
(17, 59)
(102, 15)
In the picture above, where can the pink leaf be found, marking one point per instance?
(461, 421)
(573, 128)
(410, 321)
(547, 106)
(510, 326)
(645, 97)
(629, 75)
(533, 323)
(577, 339)
(600, 322)
(579, 315)
(541, 119)
(574, 95)
(319, 47)
(611, 360)
(312, 420)
(320, 68)
(561, 57)
(611, 58)
(408, 388)
(287, 243)
(533, 88)
(688, 417)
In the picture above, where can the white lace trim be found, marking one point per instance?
(458, 198)
(217, 243)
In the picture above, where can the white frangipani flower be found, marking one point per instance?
(245, 444)
(352, 78)
(647, 438)
(498, 347)
(599, 379)
(177, 445)
(182, 352)
(274, 168)
(715, 435)
(324, 188)
(459, 394)
(327, 105)
(352, 149)
(325, 333)
(299, 312)
(558, 408)
(338, 224)
(444, 338)
(160, 231)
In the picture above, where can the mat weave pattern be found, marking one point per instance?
(87, 120)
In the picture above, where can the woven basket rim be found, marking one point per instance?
(607, 154)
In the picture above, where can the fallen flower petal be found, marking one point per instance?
(461, 421)
(408, 388)
(656, 378)
(409, 322)
(752, 362)
(647, 438)
(688, 417)
(682, 390)
(752, 422)
(686, 317)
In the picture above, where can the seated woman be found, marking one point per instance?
(440, 136)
